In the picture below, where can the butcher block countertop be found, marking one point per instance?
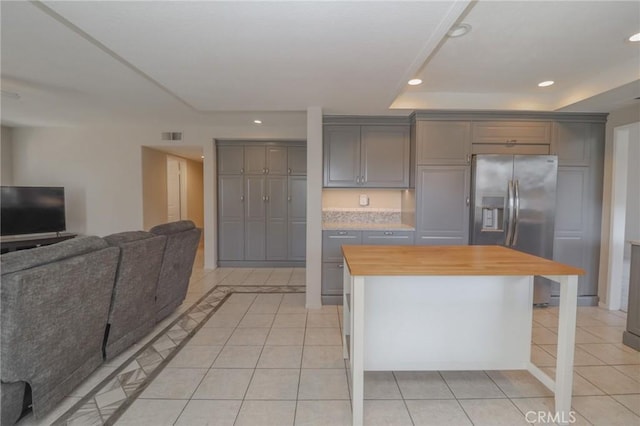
(448, 260)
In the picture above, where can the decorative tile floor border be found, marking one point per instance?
(107, 401)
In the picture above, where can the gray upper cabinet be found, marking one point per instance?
(512, 132)
(230, 160)
(374, 156)
(384, 156)
(443, 142)
(265, 160)
(442, 205)
(572, 143)
(341, 155)
(297, 160)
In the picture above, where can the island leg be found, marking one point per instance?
(357, 350)
(566, 346)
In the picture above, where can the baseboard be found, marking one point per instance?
(261, 264)
(582, 300)
(631, 340)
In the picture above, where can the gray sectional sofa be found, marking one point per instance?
(67, 307)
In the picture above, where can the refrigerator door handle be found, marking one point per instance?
(507, 241)
(516, 217)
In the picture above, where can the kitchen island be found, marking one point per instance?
(410, 308)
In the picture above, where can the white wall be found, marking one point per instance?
(6, 157)
(154, 187)
(615, 119)
(101, 170)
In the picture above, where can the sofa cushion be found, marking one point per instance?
(25, 259)
(126, 237)
(172, 227)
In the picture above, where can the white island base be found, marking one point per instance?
(414, 323)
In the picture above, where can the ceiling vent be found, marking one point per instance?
(171, 136)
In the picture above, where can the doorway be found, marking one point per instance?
(176, 189)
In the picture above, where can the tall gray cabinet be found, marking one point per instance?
(261, 203)
(578, 141)
(443, 153)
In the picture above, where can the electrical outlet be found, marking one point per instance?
(364, 200)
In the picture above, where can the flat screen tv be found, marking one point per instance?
(31, 210)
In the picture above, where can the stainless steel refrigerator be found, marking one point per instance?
(513, 204)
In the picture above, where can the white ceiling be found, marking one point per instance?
(216, 63)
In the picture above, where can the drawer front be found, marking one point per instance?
(512, 132)
(426, 239)
(332, 276)
(392, 238)
(332, 242)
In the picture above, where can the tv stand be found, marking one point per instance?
(22, 242)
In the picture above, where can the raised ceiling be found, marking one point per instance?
(220, 62)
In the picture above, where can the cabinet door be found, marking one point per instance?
(442, 205)
(276, 161)
(384, 156)
(512, 132)
(297, 217)
(572, 143)
(571, 243)
(332, 278)
(255, 162)
(443, 142)
(255, 225)
(297, 160)
(230, 160)
(230, 218)
(276, 218)
(332, 242)
(341, 156)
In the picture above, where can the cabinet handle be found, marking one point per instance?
(388, 232)
(342, 232)
(289, 198)
(468, 158)
(266, 198)
(357, 179)
(511, 141)
(467, 201)
(241, 170)
(340, 265)
(242, 198)
(289, 170)
(267, 171)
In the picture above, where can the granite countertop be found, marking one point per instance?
(352, 226)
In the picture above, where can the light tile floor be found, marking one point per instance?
(263, 359)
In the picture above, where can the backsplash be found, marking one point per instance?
(362, 215)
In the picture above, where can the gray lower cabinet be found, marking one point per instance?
(297, 218)
(231, 218)
(332, 262)
(442, 205)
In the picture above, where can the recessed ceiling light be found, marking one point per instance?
(415, 82)
(459, 30)
(635, 37)
(257, 121)
(202, 156)
(546, 83)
